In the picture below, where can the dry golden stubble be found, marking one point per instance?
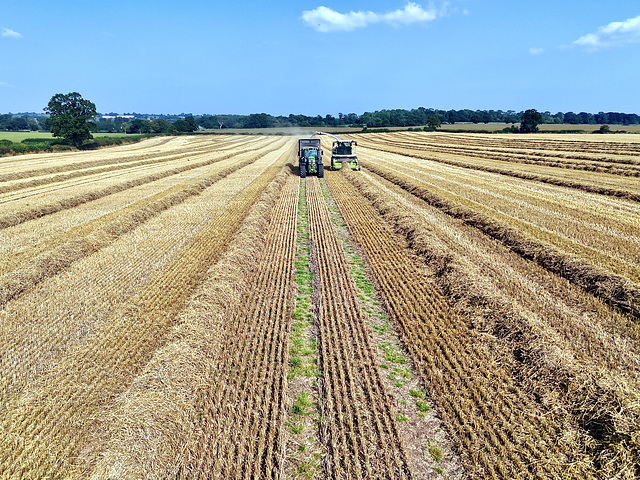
(498, 426)
(607, 160)
(551, 342)
(600, 183)
(19, 243)
(361, 424)
(122, 339)
(614, 289)
(589, 226)
(51, 262)
(190, 355)
(20, 215)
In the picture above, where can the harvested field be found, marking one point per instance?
(466, 306)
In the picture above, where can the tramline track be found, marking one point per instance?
(362, 438)
(235, 321)
(561, 343)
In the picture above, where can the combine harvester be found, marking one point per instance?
(342, 151)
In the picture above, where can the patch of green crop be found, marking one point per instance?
(391, 354)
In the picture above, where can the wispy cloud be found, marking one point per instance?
(7, 33)
(324, 19)
(6, 85)
(536, 51)
(613, 35)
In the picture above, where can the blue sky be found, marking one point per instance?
(321, 57)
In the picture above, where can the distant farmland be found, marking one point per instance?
(466, 306)
(20, 136)
(491, 127)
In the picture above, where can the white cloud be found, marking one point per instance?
(10, 33)
(612, 35)
(324, 19)
(536, 51)
(6, 85)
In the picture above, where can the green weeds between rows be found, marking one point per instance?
(407, 392)
(304, 450)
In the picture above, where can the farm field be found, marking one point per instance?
(543, 127)
(21, 135)
(465, 306)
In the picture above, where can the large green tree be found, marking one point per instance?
(70, 117)
(434, 122)
(530, 121)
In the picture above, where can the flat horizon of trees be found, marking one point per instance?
(171, 124)
(415, 117)
(378, 119)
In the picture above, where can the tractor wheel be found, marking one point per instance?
(303, 171)
(320, 171)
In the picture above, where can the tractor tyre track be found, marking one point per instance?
(362, 438)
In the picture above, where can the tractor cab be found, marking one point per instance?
(311, 153)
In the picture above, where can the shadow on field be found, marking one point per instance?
(295, 169)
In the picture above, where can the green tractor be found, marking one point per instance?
(310, 157)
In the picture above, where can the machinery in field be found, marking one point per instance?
(342, 151)
(310, 157)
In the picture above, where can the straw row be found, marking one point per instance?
(44, 324)
(545, 155)
(112, 157)
(613, 288)
(36, 178)
(177, 395)
(560, 343)
(545, 177)
(92, 237)
(15, 218)
(539, 143)
(500, 429)
(62, 419)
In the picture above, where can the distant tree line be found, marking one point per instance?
(405, 118)
(15, 123)
(171, 124)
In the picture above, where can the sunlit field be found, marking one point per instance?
(465, 306)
